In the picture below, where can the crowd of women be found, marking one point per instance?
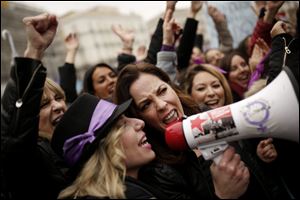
(108, 141)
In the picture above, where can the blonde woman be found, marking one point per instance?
(207, 86)
(52, 107)
(31, 107)
(104, 150)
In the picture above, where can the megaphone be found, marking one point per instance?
(272, 112)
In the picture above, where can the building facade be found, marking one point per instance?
(98, 43)
(11, 20)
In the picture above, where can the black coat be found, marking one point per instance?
(135, 189)
(184, 49)
(29, 167)
(190, 179)
(265, 182)
(278, 51)
(67, 74)
(288, 151)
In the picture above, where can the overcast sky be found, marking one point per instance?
(146, 9)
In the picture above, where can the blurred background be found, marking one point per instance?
(92, 22)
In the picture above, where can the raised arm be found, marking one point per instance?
(72, 45)
(67, 72)
(257, 6)
(224, 35)
(157, 37)
(22, 96)
(186, 44)
(40, 32)
(167, 58)
(127, 37)
(263, 26)
(20, 106)
(285, 51)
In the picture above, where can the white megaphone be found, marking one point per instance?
(272, 112)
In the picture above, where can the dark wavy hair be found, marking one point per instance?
(226, 61)
(127, 76)
(88, 80)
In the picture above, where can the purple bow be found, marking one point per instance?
(73, 146)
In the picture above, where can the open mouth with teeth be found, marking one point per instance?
(144, 143)
(171, 117)
(56, 121)
(244, 78)
(212, 103)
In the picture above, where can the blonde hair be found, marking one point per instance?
(188, 81)
(103, 175)
(51, 86)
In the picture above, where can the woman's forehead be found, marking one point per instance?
(49, 92)
(146, 83)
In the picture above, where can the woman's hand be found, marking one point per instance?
(266, 150)
(279, 28)
(40, 30)
(127, 37)
(230, 176)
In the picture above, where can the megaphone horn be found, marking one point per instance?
(272, 112)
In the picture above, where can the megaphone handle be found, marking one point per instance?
(214, 152)
(218, 159)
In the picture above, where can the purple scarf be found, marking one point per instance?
(258, 71)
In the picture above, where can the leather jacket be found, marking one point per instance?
(189, 180)
(285, 51)
(29, 168)
(192, 179)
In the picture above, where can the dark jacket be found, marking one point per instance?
(264, 180)
(286, 166)
(279, 43)
(155, 43)
(67, 74)
(29, 167)
(190, 180)
(287, 151)
(135, 189)
(125, 59)
(184, 49)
